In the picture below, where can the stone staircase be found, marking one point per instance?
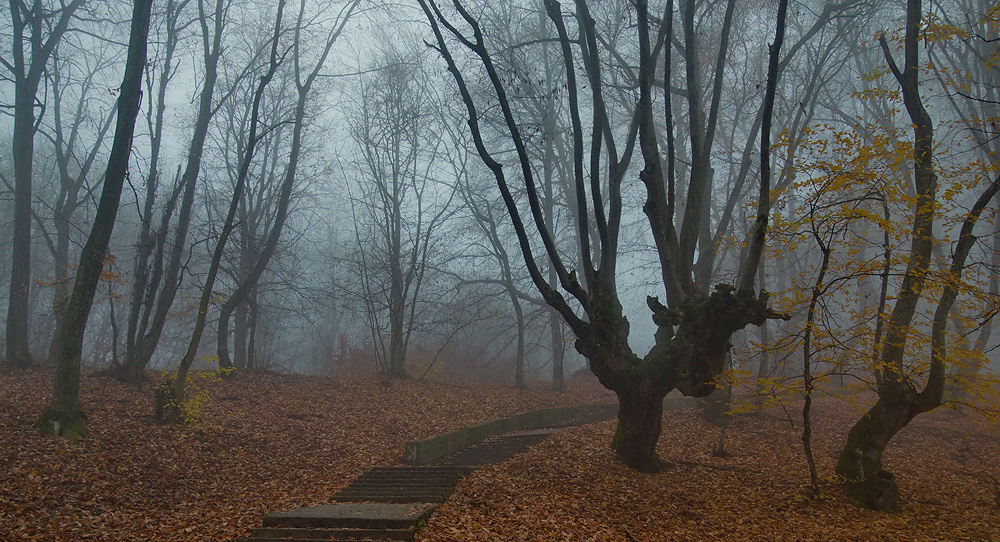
(389, 504)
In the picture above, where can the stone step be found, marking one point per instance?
(387, 503)
(494, 450)
(255, 539)
(396, 499)
(331, 534)
(427, 469)
(352, 516)
(373, 490)
(402, 485)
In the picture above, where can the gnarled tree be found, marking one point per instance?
(694, 327)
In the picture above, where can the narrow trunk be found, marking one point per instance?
(764, 365)
(558, 352)
(397, 315)
(64, 417)
(251, 354)
(519, 356)
(807, 377)
(240, 338)
(18, 355)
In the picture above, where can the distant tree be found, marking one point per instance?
(400, 207)
(72, 83)
(35, 32)
(170, 395)
(64, 417)
(152, 239)
(143, 334)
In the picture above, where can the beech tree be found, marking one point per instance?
(64, 416)
(694, 327)
(899, 398)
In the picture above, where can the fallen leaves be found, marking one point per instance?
(265, 443)
(274, 442)
(571, 488)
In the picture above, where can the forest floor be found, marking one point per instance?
(268, 442)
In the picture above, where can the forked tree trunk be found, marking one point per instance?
(860, 461)
(692, 337)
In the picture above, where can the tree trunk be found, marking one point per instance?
(558, 352)
(240, 337)
(26, 71)
(519, 355)
(640, 419)
(64, 417)
(397, 316)
(18, 355)
(860, 461)
(145, 283)
(146, 343)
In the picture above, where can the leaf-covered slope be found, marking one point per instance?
(264, 443)
(571, 488)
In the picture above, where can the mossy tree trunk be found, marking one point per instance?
(860, 461)
(640, 414)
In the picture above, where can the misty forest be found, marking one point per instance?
(524, 270)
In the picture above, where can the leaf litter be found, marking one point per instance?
(269, 442)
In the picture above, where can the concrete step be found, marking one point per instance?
(494, 450)
(331, 534)
(402, 485)
(387, 503)
(255, 539)
(352, 516)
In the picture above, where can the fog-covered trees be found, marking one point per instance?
(35, 30)
(447, 186)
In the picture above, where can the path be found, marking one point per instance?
(389, 504)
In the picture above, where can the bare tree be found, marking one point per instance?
(398, 212)
(144, 332)
(691, 341)
(151, 239)
(73, 158)
(64, 417)
(37, 29)
(170, 396)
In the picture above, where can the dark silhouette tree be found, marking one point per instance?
(64, 417)
(693, 329)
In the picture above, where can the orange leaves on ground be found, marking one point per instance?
(571, 488)
(264, 443)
